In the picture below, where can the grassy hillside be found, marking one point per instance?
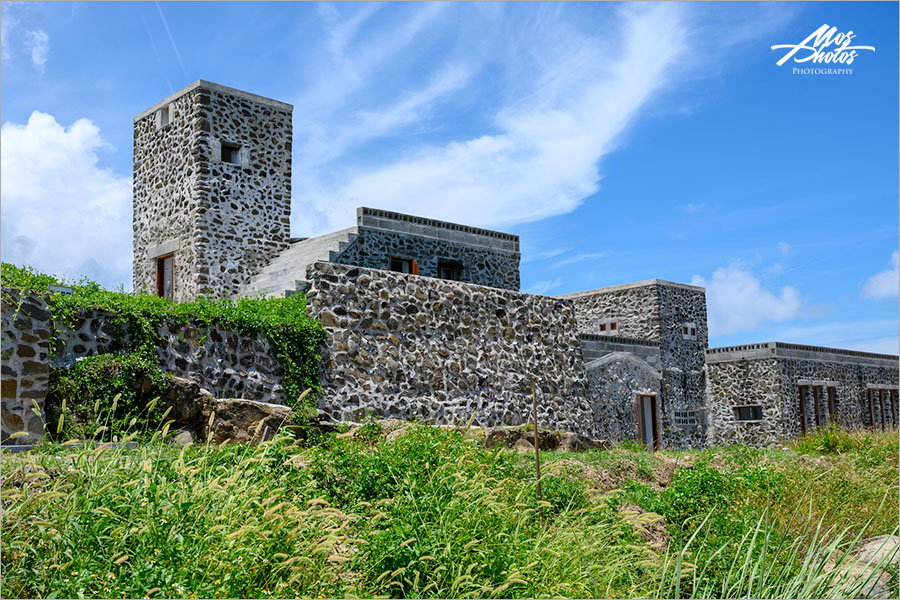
(426, 512)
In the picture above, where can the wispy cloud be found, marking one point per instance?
(582, 257)
(868, 336)
(885, 284)
(737, 301)
(570, 95)
(542, 287)
(700, 207)
(543, 254)
(38, 44)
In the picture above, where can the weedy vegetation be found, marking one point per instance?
(429, 512)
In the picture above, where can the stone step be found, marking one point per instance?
(287, 272)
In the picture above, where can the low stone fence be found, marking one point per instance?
(402, 346)
(24, 353)
(226, 363)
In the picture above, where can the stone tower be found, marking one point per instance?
(212, 190)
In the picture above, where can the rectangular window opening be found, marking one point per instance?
(832, 405)
(817, 394)
(804, 393)
(612, 326)
(404, 265)
(602, 326)
(165, 276)
(748, 413)
(231, 154)
(450, 271)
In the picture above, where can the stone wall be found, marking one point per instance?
(222, 221)
(489, 258)
(405, 346)
(744, 383)
(25, 371)
(226, 363)
(616, 380)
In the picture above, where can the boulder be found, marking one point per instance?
(238, 420)
(872, 560)
(186, 399)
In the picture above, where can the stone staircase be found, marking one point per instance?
(286, 274)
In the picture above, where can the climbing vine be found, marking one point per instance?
(283, 321)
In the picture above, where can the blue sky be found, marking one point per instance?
(621, 141)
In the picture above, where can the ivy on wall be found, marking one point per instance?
(282, 321)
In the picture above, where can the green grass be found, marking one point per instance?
(430, 513)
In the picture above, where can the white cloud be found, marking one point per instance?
(737, 301)
(867, 336)
(887, 283)
(528, 256)
(582, 257)
(56, 198)
(540, 153)
(784, 248)
(542, 287)
(38, 43)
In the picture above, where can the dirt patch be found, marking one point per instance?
(666, 467)
(648, 526)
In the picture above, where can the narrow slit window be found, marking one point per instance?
(164, 116)
(832, 405)
(804, 394)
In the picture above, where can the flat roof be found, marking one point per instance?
(214, 87)
(636, 284)
(785, 350)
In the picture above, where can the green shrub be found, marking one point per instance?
(80, 403)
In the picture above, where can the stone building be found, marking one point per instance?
(646, 340)
(448, 335)
(424, 318)
(212, 190)
(767, 393)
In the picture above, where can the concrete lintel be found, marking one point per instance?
(167, 247)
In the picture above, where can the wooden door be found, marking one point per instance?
(648, 428)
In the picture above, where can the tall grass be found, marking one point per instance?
(426, 514)
(764, 565)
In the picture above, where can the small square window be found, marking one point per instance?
(231, 154)
(689, 331)
(612, 326)
(451, 271)
(404, 265)
(602, 326)
(748, 413)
